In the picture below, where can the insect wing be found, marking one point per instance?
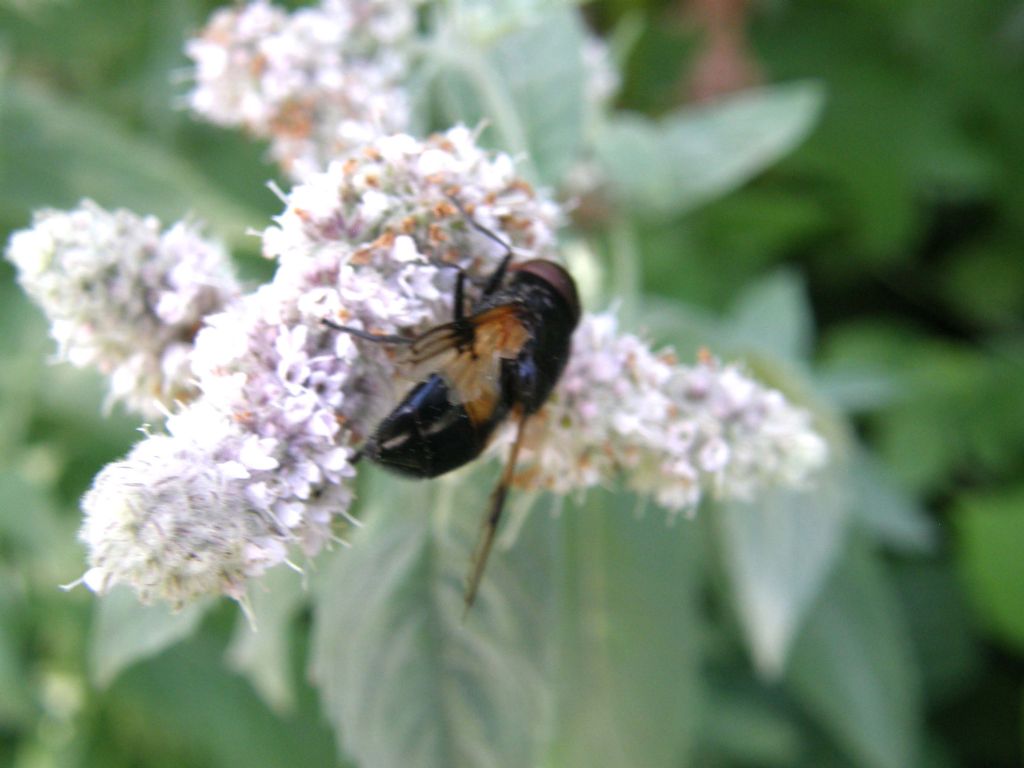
(475, 374)
(434, 350)
(469, 354)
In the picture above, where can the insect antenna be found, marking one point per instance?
(490, 522)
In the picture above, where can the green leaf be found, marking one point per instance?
(542, 67)
(24, 347)
(945, 639)
(699, 153)
(125, 631)
(629, 684)
(53, 153)
(260, 648)
(853, 668)
(990, 539)
(28, 521)
(955, 390)
(983, 281)
(773, 316)
(685, 328)
(529, 85)
(856, 388)
(38, 543)
(778, 551)
(16, 705)
(887, 511)
(860, 365)
(405, 681)
(186, 703)
(483, 20)
(742, 722)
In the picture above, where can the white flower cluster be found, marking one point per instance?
(672, 431)
(315, 82)
(172, 525)
(124, 297)
(258, 463)
(266, 448)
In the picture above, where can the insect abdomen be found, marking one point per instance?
(427, 435)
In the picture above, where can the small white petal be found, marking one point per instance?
(96, 580)
(234, 470)
(404, 250)
(255, 454)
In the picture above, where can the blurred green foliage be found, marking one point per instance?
(875, 274)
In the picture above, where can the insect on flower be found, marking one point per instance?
(499, 361)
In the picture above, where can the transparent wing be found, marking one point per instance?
(469, 356)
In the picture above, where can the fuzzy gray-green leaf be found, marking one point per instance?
(526, 88)
(696, 154)
(260, 647)
(125, 631)
(629, 680)
(54, 152)
(853, 667)
(778, 552)
(405, 681)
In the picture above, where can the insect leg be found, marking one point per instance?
(380, 338)
(460, 305)
(376, 338)
(495, 280)
(490, 523)
(487, 285)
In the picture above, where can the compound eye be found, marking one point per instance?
(558, 278)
